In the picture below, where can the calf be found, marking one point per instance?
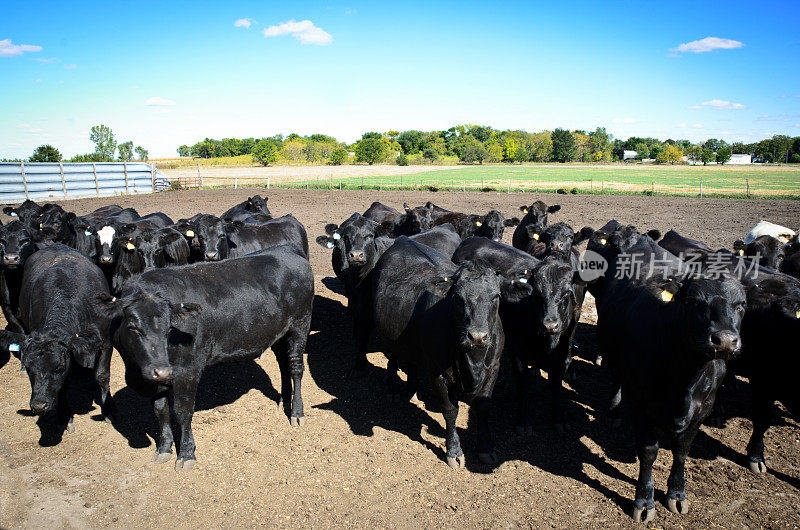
(25, 212)
(769, 250)
(558, 240)
(490, 226)
(443, 319)
(18, 242)
(206, 236)
(246, 238)
(146, 247)
(534, 220)
(380, 213)
(63, 325)
(414, 221)
(668, 339)
(171, 323)
(255, 204)
(540, 327)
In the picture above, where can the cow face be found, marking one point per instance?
(257, 203)
(47, 357)
(160, 248)
(553, 299)
(771, 252)
(17, 243)
(105, 233)
(354, 241)
(148, 326)
(492, 225)
(710, 310)
(209, 241)
(415, 220)
(27, 212)
(79, 233)
(558, 240)
(537, 212)
(52, 217)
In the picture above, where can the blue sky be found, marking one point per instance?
(168, 73)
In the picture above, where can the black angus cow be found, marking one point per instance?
(667, 337)
(25, 212)
(559, 240)
(51, 217)
(490, 226)
(17, 243)
(254, 205)
(442, 319)
(534, 220)
(770, 251)
(171, 323)
(381, 213)
(126, 215)
(110, 229)
(413, 221)
(246, 238)
(63, 327)
(539, 328)
(248, 217)
(206, 236)
(145, 247)
(79, 232)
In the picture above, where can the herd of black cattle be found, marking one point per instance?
(444, 294)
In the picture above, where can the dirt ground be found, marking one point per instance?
(362, 462)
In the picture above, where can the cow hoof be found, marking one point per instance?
(297, 421)
(160, 458)
(757, 466)
(598, 360)
(644, 515)
(280, 406)
(184, 465)
(70, 427)
(456, 462)
(22, 372)
(525, 430)
(678, 505)
(488, 458)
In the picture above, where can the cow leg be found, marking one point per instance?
(289, 352)
(102, 374)
(361, 334)
(413, 380)
(615, 409)
(184, 390)
(454, 455)
(165, 440)
(762, 414)
(676, 483)
(555, 377)
(644, 508)
(393, 383)
(522, 377)
(64, 411)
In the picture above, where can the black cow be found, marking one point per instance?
(539, 328)
(79, 232)
(171, 323)
(246, 238)
(770, 251)
(143, 247)
(559, 240)
(206, 236)
(443, 319)
(255, 204)
(126, 215)
(490, 226)
(533, 221)
(63, 325)
(248, 217)
(668, 338)
(25, 212)
(52, 217)
(380, 213)
(17, 243)
(414, 221)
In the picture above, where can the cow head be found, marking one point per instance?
(537, 212)
(209, 239)
(770, 251)
(553, 299)
(47, 356)
(17, 242)
(105, 232)
(79, 233)
(163, 247)
(558, 240)
(415, 220)
(52, 216)
(492, 225)
(354, 241)
(256, 203)
(27, 212)
(709, 308)
(146, 326)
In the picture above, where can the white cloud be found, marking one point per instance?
(157, 101)
(243, 23)
(708, 44)
(9, 50)
(719, 104)
(70, 66)
(161, 110)
(623, 120)
(50, 60)
(305, 31)
(23, 126)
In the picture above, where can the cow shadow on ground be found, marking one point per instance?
(220, 385)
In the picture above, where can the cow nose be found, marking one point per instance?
(212, 256)
(559, 246)
(356, 256)
(162, 373)
(11, 259)
(105, 260)
(551, 326)
(725, 341)
(39, 407)
(478, 337)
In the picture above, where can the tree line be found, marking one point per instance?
(478, 144)
(106, 149)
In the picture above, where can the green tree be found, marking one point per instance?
(430, 154)
(265, 152)
(142, 152)
(563, 146)
(371, 150)
(410, 141)
(45, 153)
(126, 151)
(104, 143)
(670, 153)
(374, 135)
(401, 160)
(473, 151)
(723, 155)
(642, 151)
(509, 149)
(184, 150)
(706, 155)
(338, 156)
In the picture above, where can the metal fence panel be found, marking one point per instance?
(44, 180)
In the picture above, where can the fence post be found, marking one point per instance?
(153, 175)
(362, 182)
(236, 182)
(602, 186)
(267, 182)
(199, 176)
(401, 181)
(125, 169)
(701, 188)
(748, 188)
(508, 190)
(63, 182)
(340, 184)
(465, 185)
(24, 179)
(381, 188)
(96, 185)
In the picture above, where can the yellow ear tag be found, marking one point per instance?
(190, 233)
(478, 223)
(741, 252)
(40, 225)
(536, 237)
(797, 314)
(666, 296)
(525, 210)
(603, 241)
(130, 246)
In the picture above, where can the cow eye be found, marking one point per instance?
(740, 308)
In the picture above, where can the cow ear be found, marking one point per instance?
(331, 228)
(176, 248)
(85, 346)
(11, 342)
(665, 289)
(108, 305)
(516, 286)
(8, 210)
(441, 285)
(384, 228)
(514, 221)
(585, 233)
(533, 232)
(325, 241)
(523, 209)
(654, 234)
(554, 208)
(738, 245)
(181, 312)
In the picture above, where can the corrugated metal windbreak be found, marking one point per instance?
(41, 181)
